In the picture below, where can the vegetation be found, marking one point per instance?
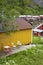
(33, 56)
(10, 8)
(37, 40)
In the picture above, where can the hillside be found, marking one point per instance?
(39, 2)
(9, 8)
(29, 7)
(33, 7)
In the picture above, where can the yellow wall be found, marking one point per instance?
(24, 36)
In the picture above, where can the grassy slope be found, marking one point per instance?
(37, 40)
(33, 56)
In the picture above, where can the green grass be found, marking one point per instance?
(37, 40)
(33, 56)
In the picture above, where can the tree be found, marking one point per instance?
(9, 8)
(8, 11)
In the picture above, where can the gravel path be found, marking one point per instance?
(17, 49)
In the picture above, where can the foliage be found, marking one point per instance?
(28, 57)
(11, 8)
(37, 40)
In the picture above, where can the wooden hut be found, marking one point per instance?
(23, 33)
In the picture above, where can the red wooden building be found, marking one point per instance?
(41, 17)
(38, 31)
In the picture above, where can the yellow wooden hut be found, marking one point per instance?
(23, 33)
